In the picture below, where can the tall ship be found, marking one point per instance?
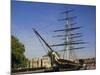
(71, 41)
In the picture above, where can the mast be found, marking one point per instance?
(69, 36)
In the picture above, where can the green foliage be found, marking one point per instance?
(18, 58)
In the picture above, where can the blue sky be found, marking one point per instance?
(43, 17)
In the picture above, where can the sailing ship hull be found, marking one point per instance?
(67, 65)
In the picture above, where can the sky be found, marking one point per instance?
(44, 18)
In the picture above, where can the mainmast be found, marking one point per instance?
(69, 36)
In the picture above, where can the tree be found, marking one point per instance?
(18, 58)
